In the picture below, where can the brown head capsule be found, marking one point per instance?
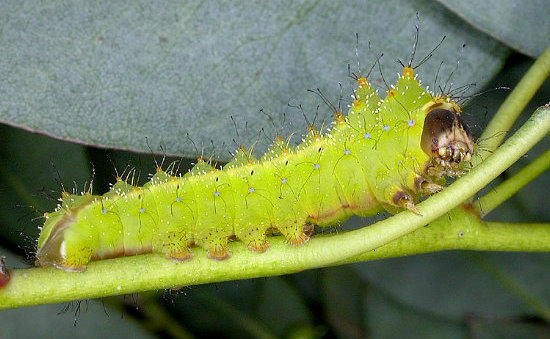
(447, 139)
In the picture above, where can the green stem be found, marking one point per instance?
(465, 231)
(226, 310)
(146, 272)
(512, 286)
(155, 317)
(514, 104)
(509, 187)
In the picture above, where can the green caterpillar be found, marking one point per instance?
(384, 154)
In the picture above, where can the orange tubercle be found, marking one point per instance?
(362, 82)
(339, 117)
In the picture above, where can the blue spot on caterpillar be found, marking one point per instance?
(384, 154)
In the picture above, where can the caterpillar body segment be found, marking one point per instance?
(383, 154)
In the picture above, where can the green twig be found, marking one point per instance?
(509, 187)
(514, 104)
(462, 229)
(146, 272)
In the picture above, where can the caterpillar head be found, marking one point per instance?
(447, 140)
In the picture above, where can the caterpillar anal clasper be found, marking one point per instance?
(384, 154)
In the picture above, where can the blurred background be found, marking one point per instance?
(129, 79)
